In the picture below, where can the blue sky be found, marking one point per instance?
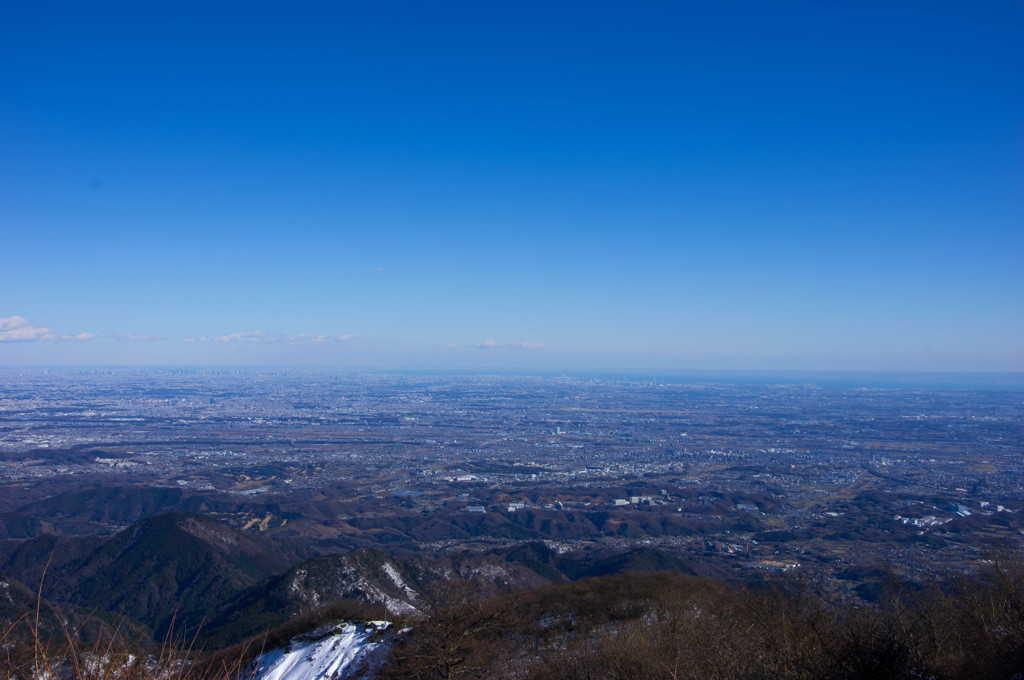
(737, 185)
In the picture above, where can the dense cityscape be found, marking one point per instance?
(737, 478)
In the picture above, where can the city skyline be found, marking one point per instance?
(730, 186)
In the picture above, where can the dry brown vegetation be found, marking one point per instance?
(634, 626)
(99, 651)
(657, 625)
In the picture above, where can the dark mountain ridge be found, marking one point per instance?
(181, 565)
(194, 571)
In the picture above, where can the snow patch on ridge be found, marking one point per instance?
(325, 654)
(397, 580)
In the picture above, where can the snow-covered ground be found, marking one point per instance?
(325, 654)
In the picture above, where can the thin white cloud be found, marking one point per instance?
(249, 336)
(493, 344)
(130, 337)
(13, 322)
(19, 329)
(316, 338)
(78, 336)
(259, 337)
(306, 339)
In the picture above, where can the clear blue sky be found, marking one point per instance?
(834, 185)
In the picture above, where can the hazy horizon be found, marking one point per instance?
(842, 379)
